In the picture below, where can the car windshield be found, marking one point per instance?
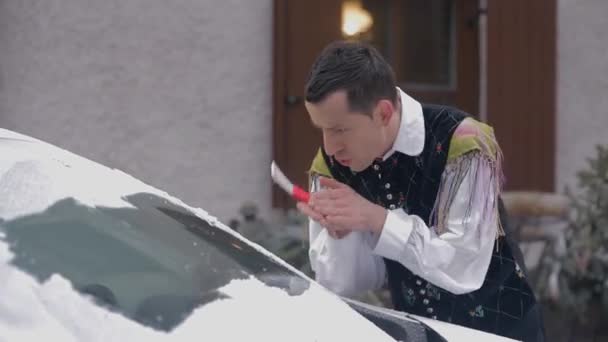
(154, 262)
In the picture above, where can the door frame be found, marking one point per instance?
(499, 101)
(279, 92)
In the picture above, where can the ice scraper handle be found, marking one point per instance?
(294, 191)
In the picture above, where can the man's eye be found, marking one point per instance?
(337, 130)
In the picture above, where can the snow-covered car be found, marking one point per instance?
(89, 253)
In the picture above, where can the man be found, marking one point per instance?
(409, 193)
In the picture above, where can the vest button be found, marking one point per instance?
(425, 301)
(429, 310)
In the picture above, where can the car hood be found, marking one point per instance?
(34, 175)
(450, 332)
(253, 311)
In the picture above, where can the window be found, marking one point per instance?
(153, 263)
(415, 36)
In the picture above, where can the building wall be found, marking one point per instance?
(582, 85)
(177, 93)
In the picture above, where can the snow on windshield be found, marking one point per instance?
(253, 311)
(53, 310)
(35, 175)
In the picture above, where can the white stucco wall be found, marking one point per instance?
(177, 93)
(582, 85)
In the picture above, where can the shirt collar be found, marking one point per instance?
(410, 137)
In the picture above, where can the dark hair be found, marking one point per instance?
(355, 67)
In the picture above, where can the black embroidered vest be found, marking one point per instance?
(412, 183)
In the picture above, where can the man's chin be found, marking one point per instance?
(357, 168)
(353, 165)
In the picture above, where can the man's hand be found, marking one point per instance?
(307, 210)
(340, 209)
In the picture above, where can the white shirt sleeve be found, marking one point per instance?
(346, 266)
(456, 260)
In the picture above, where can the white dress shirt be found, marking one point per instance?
(456, 260)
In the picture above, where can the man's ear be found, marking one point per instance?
(385, 110)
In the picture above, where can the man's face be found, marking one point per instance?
(355, 139)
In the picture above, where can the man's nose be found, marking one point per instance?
(331, 144)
